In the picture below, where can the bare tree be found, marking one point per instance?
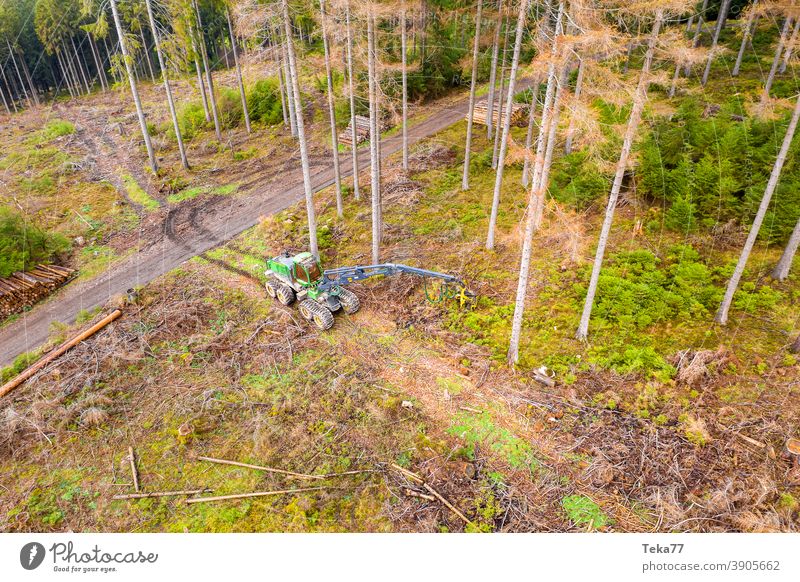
(404, 58)
(200, 84)
(500, 99)
(209, 77)
(238, 70)
(733, 284)
(290, 96)
(134, 91)
(167, 88)
(536, 193)
(493, 71)
(789, 47)
(784, 265)
(578, 88)
(747, 34)
(331, 112)
(633, 125)
(776, 61)
(472, 87)
(301, 133)
(353, 136)
(723, 12)
(374, 138)
(501, 160)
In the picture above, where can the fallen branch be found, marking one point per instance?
(414, 477)
(260, 468)
(134, 471)
(62, 349)
(257, 494)
(162, 494)
(412, 493)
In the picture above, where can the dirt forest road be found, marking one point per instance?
(207, 230)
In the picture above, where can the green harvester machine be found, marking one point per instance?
(319, 294)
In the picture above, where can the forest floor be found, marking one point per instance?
(675, 424)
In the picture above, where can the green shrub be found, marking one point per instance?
(680, 217)
(192, 119)
(229, 108)
(264, 102)
(23, 245)
(584, 512)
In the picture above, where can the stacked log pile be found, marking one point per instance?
(518, 114)
(362, 130)
(22, 290)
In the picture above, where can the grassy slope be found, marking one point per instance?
(207, 366)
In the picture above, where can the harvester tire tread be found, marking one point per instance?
(322, 316)
(307, 310)
(272, 289)
(349, 301)
(285, 294)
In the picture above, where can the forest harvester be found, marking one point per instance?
(321, 293)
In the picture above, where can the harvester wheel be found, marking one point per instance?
(306, 310)
(323, 318)
(285, 294)
(272, 289)
(349, 301)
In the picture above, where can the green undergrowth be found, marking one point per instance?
(191, 193)
(137, 194)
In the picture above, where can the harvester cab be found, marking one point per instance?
(319, 294)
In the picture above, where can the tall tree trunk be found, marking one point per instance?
(746, 35)
(64, 74)
(776, 60)
(472, 87)
(501, 160)
(374, 137)
(500, 99)
(281, 87)
(79, 64)
(290, 96)
(301, 133)
(134, 91)
(147, 54)
(733, 284)
(337, 177)
(493, 72)
(784, 265)
(790, 47)
(697, 34)
(200, 83)
(97, 64)
(238, 71)
(526, 165)
(403, 49)
(101, 70)
(353, 135)
(537, 188)
(209, 77)
(723, 11)
(5, 102)
(577, 95)
(630, 133)
(19, 76)
(29, 79)
(170, 101)
(76, 81)
(13, 91)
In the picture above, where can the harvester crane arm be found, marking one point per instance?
(344, 275)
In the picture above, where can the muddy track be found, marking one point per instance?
(179, 234)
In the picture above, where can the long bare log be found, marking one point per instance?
(62, 349)
(256, 494)
(418, 479)
(162, 494)
(260, 468)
